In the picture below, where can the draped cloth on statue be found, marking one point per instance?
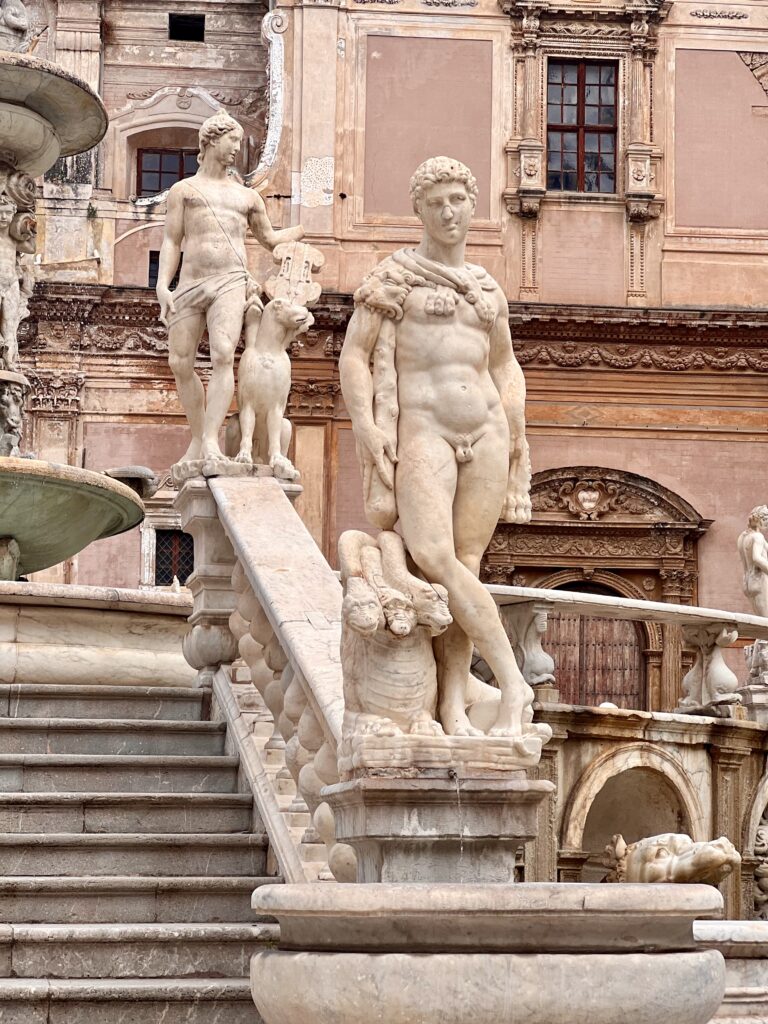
(197, 297)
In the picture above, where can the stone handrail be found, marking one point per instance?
(706, 630)
(287, 624)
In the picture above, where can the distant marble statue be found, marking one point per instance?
(670, 858)
(12, 394)
(437, 401)
(260, 434)
(14, 25)
(210, 214)
(753, 551)
(17, 236)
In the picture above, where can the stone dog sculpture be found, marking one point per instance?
(670, 858)
(260, 434)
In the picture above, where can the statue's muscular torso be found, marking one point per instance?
(443, 379)
(217, 220)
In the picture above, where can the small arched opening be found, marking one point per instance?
(635, 803)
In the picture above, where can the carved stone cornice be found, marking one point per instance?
(96, 321)
(315, 399)
(58, 392)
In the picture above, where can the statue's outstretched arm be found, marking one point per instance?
(261, 226)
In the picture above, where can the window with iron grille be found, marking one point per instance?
(158, 169)
(153, 269)
(174, 556)
(581, 126)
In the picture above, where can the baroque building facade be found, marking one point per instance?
(619, 149)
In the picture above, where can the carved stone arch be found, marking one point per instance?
(593, 519)
(616, 761)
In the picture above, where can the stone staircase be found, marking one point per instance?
(127, 860)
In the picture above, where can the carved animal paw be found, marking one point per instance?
(517, 509)
(375, 726)
(426, 726)
(283, 468)
(244, 458)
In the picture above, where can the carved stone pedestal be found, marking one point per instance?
(437, 828)
(754, 695)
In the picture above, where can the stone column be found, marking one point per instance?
(541, 854)
(209, 643)
(676, 588)
(727, 812)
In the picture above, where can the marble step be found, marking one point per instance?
(91, 773)
(126, 899)
(131, 950)
(65, 854)
(129, 1001)
(126, 812)
(26, 700)
(126, 736)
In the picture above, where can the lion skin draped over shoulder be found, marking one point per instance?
(386, 288)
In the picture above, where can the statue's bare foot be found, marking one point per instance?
(425, 725)
(455, 722)
(192, 453)
(210, 450)
(283, 468)
(244, 456)
(508, 722)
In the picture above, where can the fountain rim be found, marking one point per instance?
(76, 106)
(52, 474)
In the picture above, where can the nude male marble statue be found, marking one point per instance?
(753, 551)
(210, 214)
(436, 398)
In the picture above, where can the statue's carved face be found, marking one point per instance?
(361, 610)
(7, 212)
(11, 402)
(432, 610)
(226, 147)
(677, 858)
(291, 315)
(446, 210)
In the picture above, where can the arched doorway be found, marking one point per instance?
(635, 803)
(597, 659)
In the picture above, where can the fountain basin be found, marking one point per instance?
(54, 511)
(487, 954)
(45, 113)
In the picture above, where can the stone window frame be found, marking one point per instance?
(160, 515)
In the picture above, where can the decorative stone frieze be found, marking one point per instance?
(58, 392)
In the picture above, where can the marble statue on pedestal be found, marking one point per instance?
(437, 401)
(670, 858)
(210, 214)
(753, 551)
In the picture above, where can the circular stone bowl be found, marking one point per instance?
(535, 953)
(53, 511)
(72, 111)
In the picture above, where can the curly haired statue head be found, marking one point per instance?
(439, 169)
(220, 124)
(758, 518)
